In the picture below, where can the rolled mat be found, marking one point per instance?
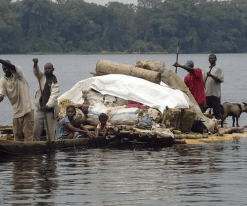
(109, 67)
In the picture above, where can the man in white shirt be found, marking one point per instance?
(213, 77)
(15, 86)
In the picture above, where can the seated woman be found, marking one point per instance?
(69, 127)
(104, 127)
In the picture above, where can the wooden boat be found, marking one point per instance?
(124, 139)
(179, 122)
(20, 147)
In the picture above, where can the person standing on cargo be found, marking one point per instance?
(195, 82)
(45, 101)
(213, 77)
(15, 86)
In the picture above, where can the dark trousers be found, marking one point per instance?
(214, 102)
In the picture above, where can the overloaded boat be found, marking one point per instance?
(147, 105)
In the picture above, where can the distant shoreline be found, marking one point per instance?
(110, 53)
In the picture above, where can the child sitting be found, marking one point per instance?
(69, 127)
(103, 128)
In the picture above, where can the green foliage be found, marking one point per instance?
(143, 47)
(9, 27)
(65, 26)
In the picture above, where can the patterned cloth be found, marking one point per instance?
(136, 104)
(62, 131)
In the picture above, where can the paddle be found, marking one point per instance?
(43, 105)
(177, 56)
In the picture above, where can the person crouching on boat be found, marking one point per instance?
(45, 101)
(69, 127)
(15, 86)
(104, 127)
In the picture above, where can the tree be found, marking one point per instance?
(9, 27)
(38, 25)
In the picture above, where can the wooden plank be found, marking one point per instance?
(7, 129)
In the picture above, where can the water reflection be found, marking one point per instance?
(178, 175)
(199, 159)
(23, 177)
(34, 175)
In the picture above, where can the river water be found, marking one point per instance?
(210, 174)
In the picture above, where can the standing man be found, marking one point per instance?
(15, 86)
(213, 78)
(195, 82)
(45, 101)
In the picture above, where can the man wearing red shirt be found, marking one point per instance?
(194, 80)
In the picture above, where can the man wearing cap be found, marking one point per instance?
(194, 81)
(213, 78)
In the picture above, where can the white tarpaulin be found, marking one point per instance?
(130, 88)
(75, 93)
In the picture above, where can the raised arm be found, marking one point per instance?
(36, 69)
(35, 62)
(8, 68)
(188, 69)
(7, 63)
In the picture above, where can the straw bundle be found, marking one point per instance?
(62, 110)
(108, 67)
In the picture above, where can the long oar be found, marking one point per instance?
(43, 104)
(177, 56)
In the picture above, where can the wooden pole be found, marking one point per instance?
(177, 56)
(211, 67)
(43, 105)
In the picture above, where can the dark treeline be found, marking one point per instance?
(65, 26)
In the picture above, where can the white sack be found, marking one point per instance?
(125, 116)
(93, 96)
(94, 111)
(120, 115)
(140, 90)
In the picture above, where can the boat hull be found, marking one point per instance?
(19, 147)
